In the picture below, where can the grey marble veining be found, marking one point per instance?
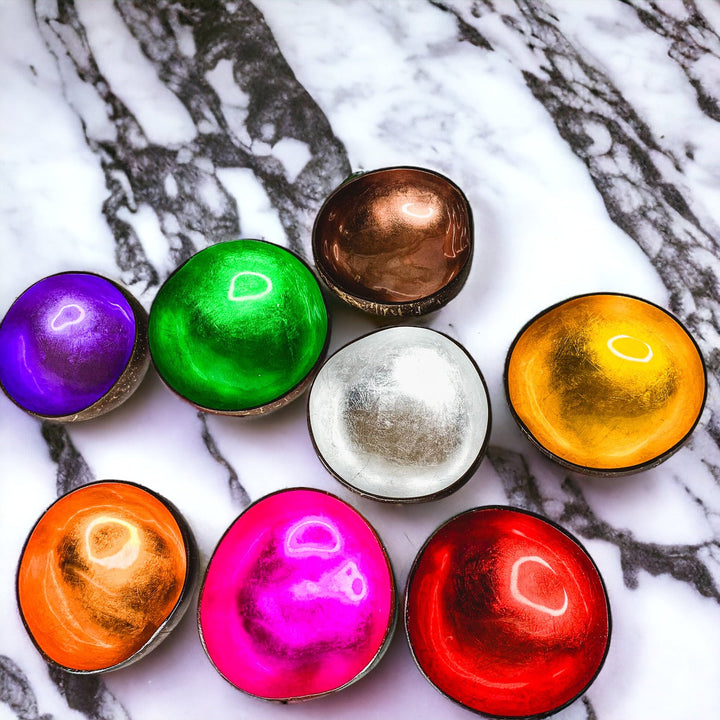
(585, 135)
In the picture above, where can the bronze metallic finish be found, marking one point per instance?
(606, 384)
(396, 241)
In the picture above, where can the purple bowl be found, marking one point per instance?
(72, 346)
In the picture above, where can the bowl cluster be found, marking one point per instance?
(505, 612)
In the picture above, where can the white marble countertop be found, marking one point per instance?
(585, 136)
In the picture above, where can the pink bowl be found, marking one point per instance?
(298, 598)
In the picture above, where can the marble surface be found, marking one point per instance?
(585, 136)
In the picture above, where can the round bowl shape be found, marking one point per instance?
(73, 346)
(104, 576)
(401, 415)
(298, 599)
(605, 384)
(239, 328)
(506, 613)
(396, 241)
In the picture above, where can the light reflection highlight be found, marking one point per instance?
(236, 296)
(345, 583)
(301, 540)
(317, 536)
(520, 597)
(611, 346)
(74, 312)
(418, 210)
(128, 552)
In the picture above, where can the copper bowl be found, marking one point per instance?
(396, 241)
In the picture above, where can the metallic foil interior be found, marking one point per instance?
(73, 346)
(400, 414)
(299, 597)
(101, 572)
(506, 613)
(239, 328)
(393, 236)
(606, 382)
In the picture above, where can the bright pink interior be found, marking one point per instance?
(298, 597)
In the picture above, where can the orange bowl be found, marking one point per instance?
(105, 573)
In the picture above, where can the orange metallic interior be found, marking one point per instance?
(102, 570)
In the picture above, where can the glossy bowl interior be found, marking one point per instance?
(605, 383)
(240, 328)
(396, 241)
(105, 574)
(400, 415)
(506, 613)
(73, 346)
(298, 600)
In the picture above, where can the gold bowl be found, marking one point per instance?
(606, 384)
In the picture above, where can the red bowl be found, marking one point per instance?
(507, 614)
